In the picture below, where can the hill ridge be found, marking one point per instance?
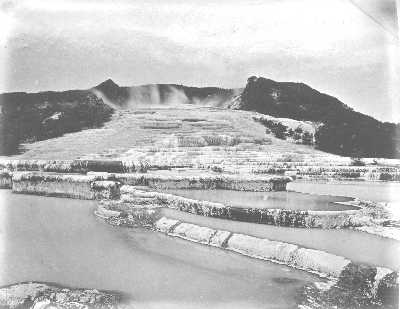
(343, 130)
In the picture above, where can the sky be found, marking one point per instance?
(346, 48)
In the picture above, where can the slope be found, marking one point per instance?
(342, 131)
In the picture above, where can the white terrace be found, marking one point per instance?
(184, 137)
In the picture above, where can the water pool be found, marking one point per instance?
(281, 200)
(60, 240)
(358, 246)
(366, 190)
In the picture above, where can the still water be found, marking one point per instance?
(366, 190)
(60, 240)
(357, 246)
(276, 200)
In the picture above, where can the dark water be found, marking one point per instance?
(285, 200)
(60, 240)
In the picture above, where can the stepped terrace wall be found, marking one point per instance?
(74, 166)
(340, 172)
(279, 217)
(378, 282)
(309, 170)
(72, 186)
(174, 180)
(5, 180)
(108, 186)
(323, 170)
(97, 185)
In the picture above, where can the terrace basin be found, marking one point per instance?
(268, 200)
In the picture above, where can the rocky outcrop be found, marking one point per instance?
(119, 214)
(36, 295)
(358, 286)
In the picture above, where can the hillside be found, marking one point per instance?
(30, 117)
(342, 131)
(187, 137)
(325, 122)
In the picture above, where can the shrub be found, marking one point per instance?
(279, 131)
(298, 130)
(290, 133)
(307, 138)
(297, 136)
(277, 128)
(385, 176)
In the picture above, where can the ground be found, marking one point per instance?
(180, 136)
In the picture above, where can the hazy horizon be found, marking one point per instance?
(346, 49)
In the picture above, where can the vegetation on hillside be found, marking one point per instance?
(30, 117)
(344, 131)
(279, 130)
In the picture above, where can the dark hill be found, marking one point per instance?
(29, 117)
(116, 94)
(343, 131)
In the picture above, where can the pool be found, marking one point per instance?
(273, 200)
(358, 246)
(366, 190)
(60, 240)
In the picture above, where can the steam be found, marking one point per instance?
(151, 96)
(160, 96)
(102, 96)
(156, 96)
